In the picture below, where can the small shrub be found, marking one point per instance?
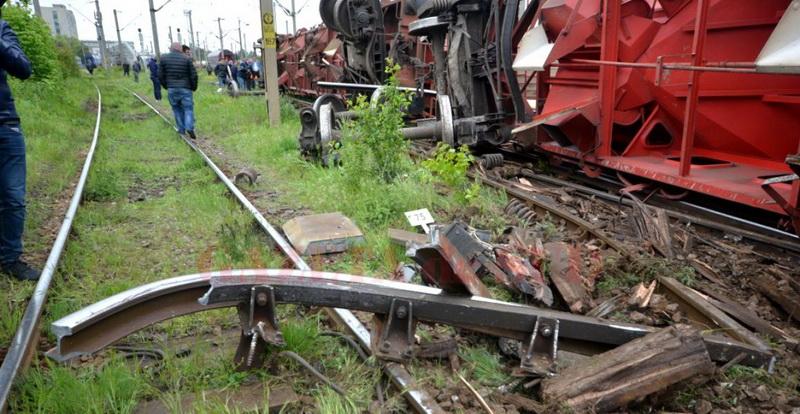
(450, 165)
(374, 146)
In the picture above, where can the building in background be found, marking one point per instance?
(61, 20)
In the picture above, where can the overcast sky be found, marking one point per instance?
(134, 14)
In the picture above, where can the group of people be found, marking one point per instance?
(137, 68)
(245, 73)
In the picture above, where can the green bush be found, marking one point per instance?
(374, 145)
(67, 49)
(450, 165)
(35, 39)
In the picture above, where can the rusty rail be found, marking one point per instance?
(25, 339)
(419, 399)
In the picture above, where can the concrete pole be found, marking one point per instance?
(244, 45)
(270, 62)
(155, 31)
(219, 24)
(241, 45)
(119, 38)
(101, 37)
(141, 41)
(191, 32)
(170, 36)
(294, 19)
(37, 9)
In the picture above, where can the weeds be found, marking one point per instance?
(484, 366)
(450, 165)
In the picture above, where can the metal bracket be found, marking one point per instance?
(792, 211)
(395, 332)
(539, 355)
(259, 328)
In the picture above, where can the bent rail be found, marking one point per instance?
(101, 324)
(23, 345)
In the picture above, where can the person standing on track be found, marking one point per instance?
(12, 159)
(179, 77)
(137, 67)
(152, 65)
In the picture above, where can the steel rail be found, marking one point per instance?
(419, 399)
(746, 229)
(25, 339)
(103, 323)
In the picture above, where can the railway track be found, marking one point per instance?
(419, 399)
(26, 337)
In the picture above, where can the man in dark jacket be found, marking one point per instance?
(178, 75)
(12, 159)
(152, 65)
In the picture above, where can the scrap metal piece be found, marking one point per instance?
(445, 261)
(541, 350)
(259, 328)
(250, 174)
(322, 233)
(522, 276)
(394, 332)
(101, 324)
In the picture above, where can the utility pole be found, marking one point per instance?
(154, 43)
(37, 9)
(244, 46)
(170, 36)
(294, 19)
(188, 13)
(219, 24)
(270, 62)
(241, 45)
(141, 41)
(119, 38)
(101, 37)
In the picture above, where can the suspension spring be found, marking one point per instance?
(519, 209)
(490, 161)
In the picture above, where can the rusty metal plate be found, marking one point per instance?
(322, 233)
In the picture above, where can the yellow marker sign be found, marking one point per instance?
(268, 27)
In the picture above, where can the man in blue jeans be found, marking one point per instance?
(152, 65)
(178, 76)
(12, 159)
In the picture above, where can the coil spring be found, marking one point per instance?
(439, 6)
(490, 161)
(519, 209)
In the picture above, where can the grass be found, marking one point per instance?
(58, 125)
(621, 273)
(484, 366)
